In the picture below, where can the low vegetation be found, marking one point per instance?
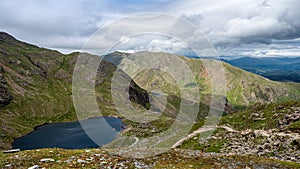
(100, 158)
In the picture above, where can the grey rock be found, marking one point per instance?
(47, 160)
(34, 167)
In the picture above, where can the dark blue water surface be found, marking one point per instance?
(71, 135)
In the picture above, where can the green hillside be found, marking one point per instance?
(36, 88)
(243, 88)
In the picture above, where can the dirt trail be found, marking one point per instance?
(193, 134)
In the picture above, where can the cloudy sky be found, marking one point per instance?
(261, 28)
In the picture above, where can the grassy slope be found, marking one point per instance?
(243, 88)
(40, 81)
(37, 95)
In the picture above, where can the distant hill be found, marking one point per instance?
(276, 68)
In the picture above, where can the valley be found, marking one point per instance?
(278, 69)
(36, 88)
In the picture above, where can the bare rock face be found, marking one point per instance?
(138, 95)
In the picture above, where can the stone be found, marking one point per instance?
(81, 161)
(47, 160)
(11, 151)
(259, 119)
(89, 159)
(34, 167)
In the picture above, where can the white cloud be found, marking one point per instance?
(233, 26)
(153, 43)
(254, 27)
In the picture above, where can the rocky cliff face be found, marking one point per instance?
(5, 95)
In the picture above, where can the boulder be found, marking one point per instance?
(5, 96)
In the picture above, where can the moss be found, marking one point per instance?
(215, 146)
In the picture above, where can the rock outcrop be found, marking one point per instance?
(5, 95)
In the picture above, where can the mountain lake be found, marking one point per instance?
(71, 135)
